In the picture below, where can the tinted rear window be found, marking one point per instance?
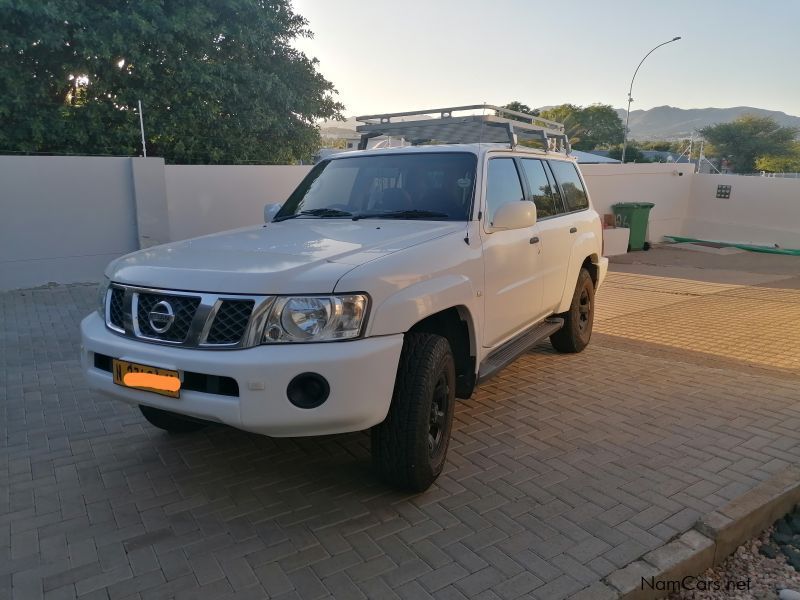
(567, 175)
(547, 204)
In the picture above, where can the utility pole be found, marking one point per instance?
(141, 127)
(630, 96)
(701, 155)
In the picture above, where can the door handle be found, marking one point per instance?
(573, 230)
(534, 240)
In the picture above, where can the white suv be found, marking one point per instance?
(389, 283)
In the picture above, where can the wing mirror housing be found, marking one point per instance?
(270, 210)
(514, 215)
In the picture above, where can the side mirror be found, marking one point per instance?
(270, 210)
(514, 215)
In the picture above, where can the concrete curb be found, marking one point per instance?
(713, 538)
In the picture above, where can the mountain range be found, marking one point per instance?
(659, 123)
(670, 123)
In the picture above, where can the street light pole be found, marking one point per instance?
(630, 91)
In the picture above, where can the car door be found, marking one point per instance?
(512, 282)
(554, 230)
(579, 220)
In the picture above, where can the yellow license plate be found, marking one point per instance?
(145, 377)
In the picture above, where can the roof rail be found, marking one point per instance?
(503, 126)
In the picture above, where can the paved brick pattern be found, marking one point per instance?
(757, 325)
(562, 469)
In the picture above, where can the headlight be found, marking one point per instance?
(315, 318)
(102, 292)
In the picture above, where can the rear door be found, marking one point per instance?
(578, 219)
(512, 278)
(554, 230)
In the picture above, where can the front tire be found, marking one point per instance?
(170, 421)
(410, 447)
(579, 319)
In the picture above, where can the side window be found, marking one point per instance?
(567, 175)
(503, 185)
(559, 201)
(542, 194)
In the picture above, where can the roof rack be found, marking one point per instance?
(503, 126)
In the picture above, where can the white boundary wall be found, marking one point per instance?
(62, 219)
(666, 186)
(207, 199)
(761, 210)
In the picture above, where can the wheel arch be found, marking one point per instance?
(586, 258)
(590, 264)
(456, 325)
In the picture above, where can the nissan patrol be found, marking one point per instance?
(388, 284)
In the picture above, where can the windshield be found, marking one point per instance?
(428, 186)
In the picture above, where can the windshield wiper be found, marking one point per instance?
(402, 214)
(316, 212)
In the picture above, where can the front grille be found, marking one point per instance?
(230, 322)
(116, 309)
(187, 319)
(183, 308)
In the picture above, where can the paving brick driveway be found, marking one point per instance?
(561, 469)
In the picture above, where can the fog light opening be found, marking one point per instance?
(308, 390)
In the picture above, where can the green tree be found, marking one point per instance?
(520, 107)
(569, 115)
(561, 113)
(660, 145)
(601, 127)
(590, 127)
(742, 141)
(783, 163)
(632, 154)
(682, 147)
(219, 80)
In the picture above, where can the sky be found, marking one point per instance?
(390, 56)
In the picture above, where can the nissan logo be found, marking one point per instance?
(161, 317)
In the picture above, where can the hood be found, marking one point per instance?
(291, 257)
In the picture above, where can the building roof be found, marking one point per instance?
(588, 158)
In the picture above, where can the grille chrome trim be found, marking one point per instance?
(254, 322)
(140, 329)
(107, 311)
(208, 320)
(201, 322)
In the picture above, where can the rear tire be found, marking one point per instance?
(579, 319)
(410, 447)
(170, 421)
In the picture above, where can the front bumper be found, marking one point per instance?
(361, 375)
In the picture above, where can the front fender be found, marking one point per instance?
(400, 311)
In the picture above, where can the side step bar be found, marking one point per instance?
(512, 349)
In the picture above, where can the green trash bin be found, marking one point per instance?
(634, 216)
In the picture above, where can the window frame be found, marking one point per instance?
(564, 196)
(555, 191)
(318, 168)
(520, 177)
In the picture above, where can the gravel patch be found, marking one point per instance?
(758, 570)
